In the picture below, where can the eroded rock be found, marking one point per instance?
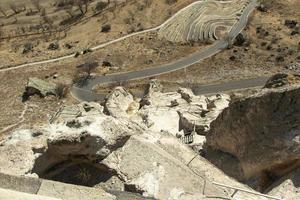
(39, 87)
(152, 176)
(262, 131)
(120, 103)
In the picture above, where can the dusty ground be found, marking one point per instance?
(133, 17)
(83, 35)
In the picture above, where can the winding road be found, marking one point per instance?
(84, 93)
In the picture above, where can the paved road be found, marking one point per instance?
(87, 95)
(83, 93)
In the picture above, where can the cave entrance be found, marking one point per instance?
(77, 173)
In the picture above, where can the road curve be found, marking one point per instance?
(87, 95)
(84, 93)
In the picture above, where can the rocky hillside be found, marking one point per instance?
(151, 146)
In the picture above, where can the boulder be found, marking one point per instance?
(91, 137)
(39, 87)
(186, 94)
(262, 132)
(120, 103)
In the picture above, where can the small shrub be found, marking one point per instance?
(106, 28)
(101, 5)
(61, 90)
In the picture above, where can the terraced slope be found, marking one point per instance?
(203, 21)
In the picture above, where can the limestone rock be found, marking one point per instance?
(120, 103)
(200, 115)
(72, 192)
(40, 87)
(16, 155)
(90, 134)
(186, 94)
(67, 113)
(158, 173)
(181, 110)
(92, 138)
(262, 131)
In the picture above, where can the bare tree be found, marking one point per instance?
(61, 90)
(83, 72)
(89, 66)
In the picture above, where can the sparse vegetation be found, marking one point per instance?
(61, 90)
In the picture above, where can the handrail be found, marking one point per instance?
(247, 191)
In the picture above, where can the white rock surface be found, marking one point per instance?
(120, 103)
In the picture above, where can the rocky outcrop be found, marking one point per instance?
(200, 119)
(183, 110)
(120, 103)
(262, 131)
(94, 149)
(39, 87)
(89, 134)
(109, 147)
(68, 113)
(151, 176)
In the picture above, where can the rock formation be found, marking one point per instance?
(262, 131)
(39, 87)
(138, 146)
(72, 150)
(120, 103)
